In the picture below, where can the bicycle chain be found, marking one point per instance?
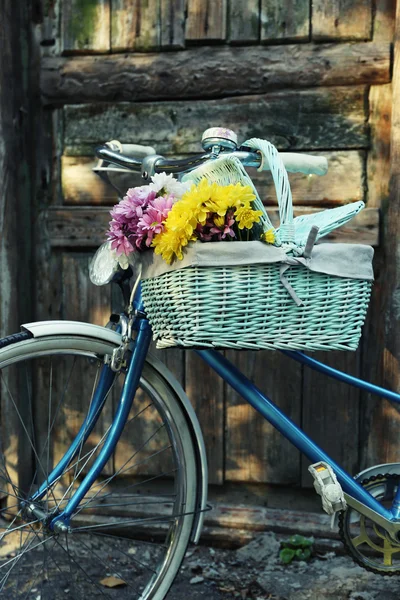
(349, 551)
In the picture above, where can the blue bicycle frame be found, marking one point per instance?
(242, 385)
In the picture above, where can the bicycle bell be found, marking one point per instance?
(219, 137)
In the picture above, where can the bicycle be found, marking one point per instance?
(155, 489)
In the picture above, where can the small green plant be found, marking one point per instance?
(297, 547)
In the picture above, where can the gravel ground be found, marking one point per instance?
(255, 572)
(251, 572)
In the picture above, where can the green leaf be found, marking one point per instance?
(286, 555)
(299, 541)
(303, 554)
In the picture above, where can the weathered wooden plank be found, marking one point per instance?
(135, 25)
(330, 412)
(381, 422)
(206, 392)
(384, 20)
(374, 444)
(343, 183)
(378, 164)
(204, 72)
(378, 418)
(255, 451)
(288, 20)
(173, 23)
(300, 120)
(206, 20)
(50, 38)
(80, 186)
(85, 26)
(85, 227)
(342, 20)
(19, 124)
(244, 21)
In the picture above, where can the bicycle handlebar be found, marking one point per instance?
(131, 157)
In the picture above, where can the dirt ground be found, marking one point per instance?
(256, 572)
(253, 571)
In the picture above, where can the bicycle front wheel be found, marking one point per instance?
(129, 534)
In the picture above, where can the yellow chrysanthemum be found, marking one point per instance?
(195, 207)
(170, 244)
(268, 236)
(246, 217)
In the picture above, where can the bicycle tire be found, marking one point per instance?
(27, 369)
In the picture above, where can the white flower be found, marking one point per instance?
(162, 181)
(122, 259)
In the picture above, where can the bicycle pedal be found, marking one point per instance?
(328, 487)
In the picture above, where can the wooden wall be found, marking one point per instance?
(310, 77)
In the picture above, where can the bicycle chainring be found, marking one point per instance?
(367, 543)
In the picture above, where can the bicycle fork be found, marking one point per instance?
(60, 522)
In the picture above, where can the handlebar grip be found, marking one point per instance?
(304, 163)
(135, 150)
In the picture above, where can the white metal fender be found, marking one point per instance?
(57, 328)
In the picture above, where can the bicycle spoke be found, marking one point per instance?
(61, 386)
(143, 502)
(139, 484)
(60, 403)
(122, 470)
(91, 452)
(87, 423)
(155, 520)
(70, 557)
(107, 566)
(133, 558)
(25, 429)
(14, 561)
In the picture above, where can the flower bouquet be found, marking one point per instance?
(166, 215)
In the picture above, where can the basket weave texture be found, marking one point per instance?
(247, 307)
(253, 306)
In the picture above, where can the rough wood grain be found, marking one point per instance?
(135, 25)
(381, 421)
(203, 72)
(85, 26)
(85, 227)
(342, 20)
(205, 390)
(344, 182)
(206, 20)
(255, 451)
(288, 20)
(243, 21)
(50, 38)
(384, 20)
(19, 123)
(173, 23)
(378, 164)
(81, 186)
(330, 412)
(333, 117)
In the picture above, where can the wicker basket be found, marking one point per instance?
(256, 306)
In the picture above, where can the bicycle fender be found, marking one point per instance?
(57, 328)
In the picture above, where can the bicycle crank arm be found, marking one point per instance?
(392, 527)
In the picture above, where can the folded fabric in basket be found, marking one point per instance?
(343, 260)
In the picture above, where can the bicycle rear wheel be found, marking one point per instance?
(129, 534)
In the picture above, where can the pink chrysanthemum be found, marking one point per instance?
(152, 221)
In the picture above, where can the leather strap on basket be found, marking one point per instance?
(270, 159)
